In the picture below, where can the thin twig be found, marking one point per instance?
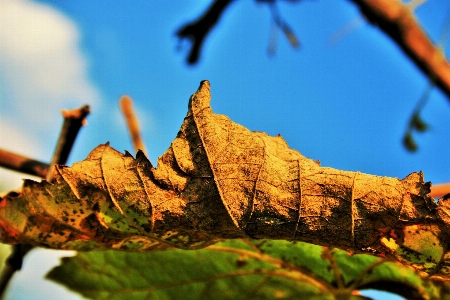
(12, 264)
(439, 190)
(22, 164)
(126, 105)
(276, 17)
(198, 30)
(73, 120)
(397, 21)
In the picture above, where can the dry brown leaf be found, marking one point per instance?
(218, 180)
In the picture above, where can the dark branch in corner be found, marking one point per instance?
(197, 31)
(397, 20)
(393, 17)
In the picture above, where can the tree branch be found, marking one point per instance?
(440, 190)
(197, 31)
(392, 16)
(397, 21)
(73, 120)
(22, 164)
(126, 105)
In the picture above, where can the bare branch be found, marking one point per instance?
(73, 120)
(397, 20)
(22, 164)
(198, 30)
(439, 190)
(126, 105)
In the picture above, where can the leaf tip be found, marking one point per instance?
(409, 143)
(204, 88)
(128, 154)
(204, 83)
(201, 98)
(141, 159)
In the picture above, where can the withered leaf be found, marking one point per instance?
(218, 180)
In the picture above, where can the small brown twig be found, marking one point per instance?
(439, 190)
(397, 20)
(73, 120)
(22, 164)
(126, 105)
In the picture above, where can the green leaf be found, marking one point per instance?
(418, 124)
(239, 269)
(201, 274)
(307, 256)
(409, 143)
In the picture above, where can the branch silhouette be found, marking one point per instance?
(398, 22)
(394, 18)
(199, 29)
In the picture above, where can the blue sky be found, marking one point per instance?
(346, 103)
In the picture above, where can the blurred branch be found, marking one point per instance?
(439, 190)
(197, 31)
(283, 25)
(13, 263)
(22, 164)
(73, 120)
(397, 20)
(126, 105)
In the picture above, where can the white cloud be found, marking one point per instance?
(20, 144)
(42, 69)
(37, 264)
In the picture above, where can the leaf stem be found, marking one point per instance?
(366, 271)
(252, 292)
(251, 245)
(269, 273)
